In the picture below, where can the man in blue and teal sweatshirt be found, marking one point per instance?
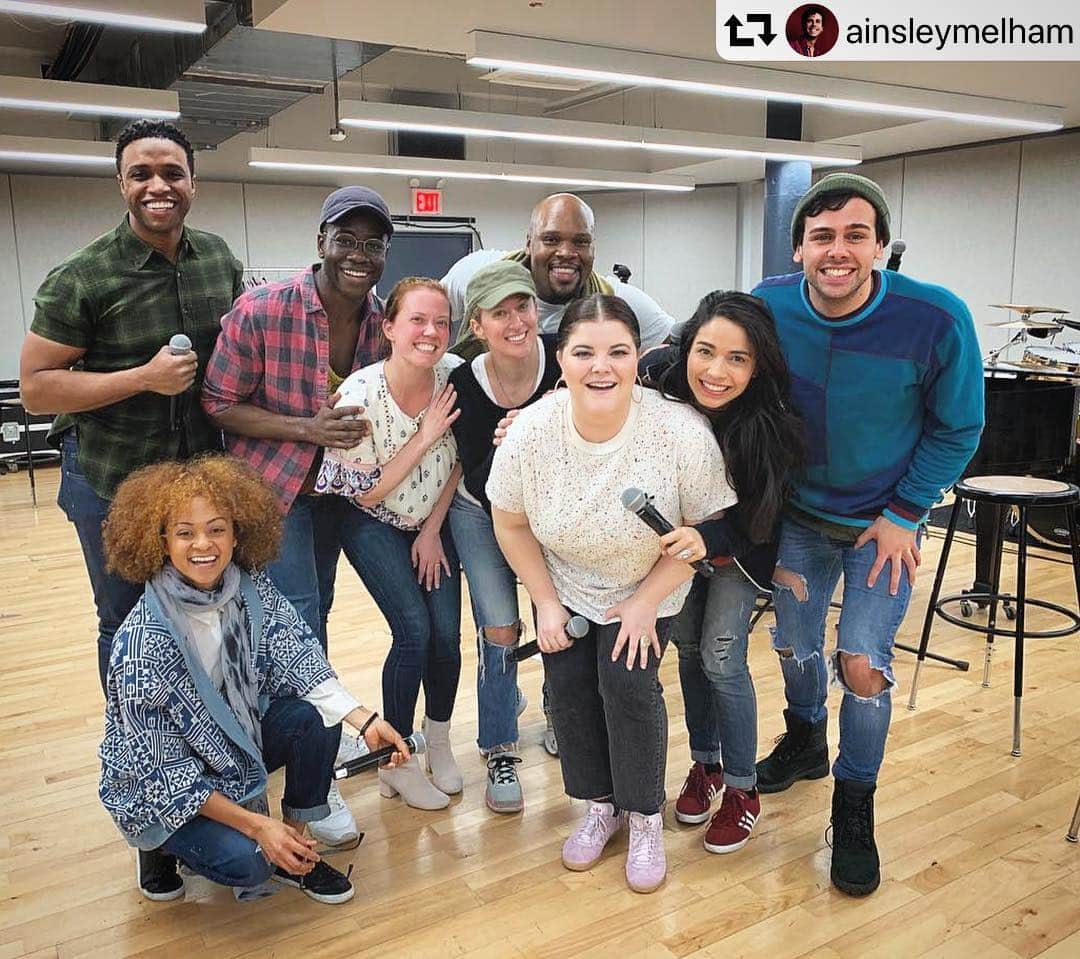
(887, 375)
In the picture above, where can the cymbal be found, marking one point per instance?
(1028, 310)
(1024, 323)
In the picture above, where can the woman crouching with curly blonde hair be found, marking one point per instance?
(214, 681)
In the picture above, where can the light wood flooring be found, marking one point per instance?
(972, 840)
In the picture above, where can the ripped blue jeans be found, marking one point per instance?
(494, 600)
(867, 627)
(718, 694)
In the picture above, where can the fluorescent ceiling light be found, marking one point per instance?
(87, 99)
(113, 13)
(543, 130)
(630, 68)
(310, 161)
(92, 153)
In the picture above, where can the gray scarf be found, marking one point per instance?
(241, 686)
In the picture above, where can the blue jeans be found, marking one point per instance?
(306, 565)
(425, 626)
(114, 597)
(294, 737)
(711, 633)
(868, 624)
(494, 599)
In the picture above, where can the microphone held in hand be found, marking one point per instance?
(576, 627)
(895, 252)
(640, 504)
(179, 345)
(416, 743)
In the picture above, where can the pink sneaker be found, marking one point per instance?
(586, 844)
(646, 864)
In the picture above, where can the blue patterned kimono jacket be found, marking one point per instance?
(170, 737)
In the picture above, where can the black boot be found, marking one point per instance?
(801, 753)
(856, 868)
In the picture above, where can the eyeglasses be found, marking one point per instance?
(373, 248)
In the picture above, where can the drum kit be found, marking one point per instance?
(1041, 412)
(1043, 322)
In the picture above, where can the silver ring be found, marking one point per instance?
(684, 554)
(643, 641)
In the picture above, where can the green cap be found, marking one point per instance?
(848, 183)
(492, 284)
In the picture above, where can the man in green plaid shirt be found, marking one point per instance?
(97, 351)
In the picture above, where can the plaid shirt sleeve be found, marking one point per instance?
(236, 366)
(63, 311)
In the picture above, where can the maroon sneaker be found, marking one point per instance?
(734, 821)
(698, 792)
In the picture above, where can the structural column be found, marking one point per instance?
(785, 182)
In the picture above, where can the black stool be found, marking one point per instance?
(1001, 493)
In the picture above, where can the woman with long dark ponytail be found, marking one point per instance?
(728, 365)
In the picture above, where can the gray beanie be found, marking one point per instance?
(846, 182)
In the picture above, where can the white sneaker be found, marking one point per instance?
(339, 827)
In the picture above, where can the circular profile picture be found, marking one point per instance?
(812, 30)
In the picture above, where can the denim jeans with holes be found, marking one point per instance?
(711, 633)
(868, 624)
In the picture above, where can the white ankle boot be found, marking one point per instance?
(410, 782)
(440, 760)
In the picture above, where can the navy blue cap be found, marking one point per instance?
(352, 198)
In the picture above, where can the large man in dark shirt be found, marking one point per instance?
(97, 351)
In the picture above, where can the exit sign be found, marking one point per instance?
(426, 202)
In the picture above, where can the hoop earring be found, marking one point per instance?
(637, 391)
(560, 383)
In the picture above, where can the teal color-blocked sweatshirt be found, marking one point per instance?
(891, 397)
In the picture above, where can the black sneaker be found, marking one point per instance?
(855, 868)
(155, 872)
(323, 884)
(800, 753)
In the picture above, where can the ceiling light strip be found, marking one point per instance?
(87, 99)
(306, 162)
(589, 141)
(134, 21)
(554, 58)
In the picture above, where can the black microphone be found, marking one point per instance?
(641, 504)
(179, 345)
(416, 743)
(576, 627)
(895, 252)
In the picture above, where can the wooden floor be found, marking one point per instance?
(972, 840)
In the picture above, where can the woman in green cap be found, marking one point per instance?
(517, 368)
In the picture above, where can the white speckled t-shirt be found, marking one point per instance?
(597, 551)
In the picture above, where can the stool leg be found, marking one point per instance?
(928, 622)
(1075, 826)
(1074, 545)
(997, 547)
(1021, 603)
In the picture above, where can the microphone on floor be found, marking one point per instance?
(416, 743)
(641, 505)
(576, 627)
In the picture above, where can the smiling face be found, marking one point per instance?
(813, 24)
(560, 247)
(199, 540)
(351, 273)
(158, 187)
(720, 363)
(509, 328)
(419, 331)
(837, 254)
(599, 365)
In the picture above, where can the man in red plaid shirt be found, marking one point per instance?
(271, 385)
